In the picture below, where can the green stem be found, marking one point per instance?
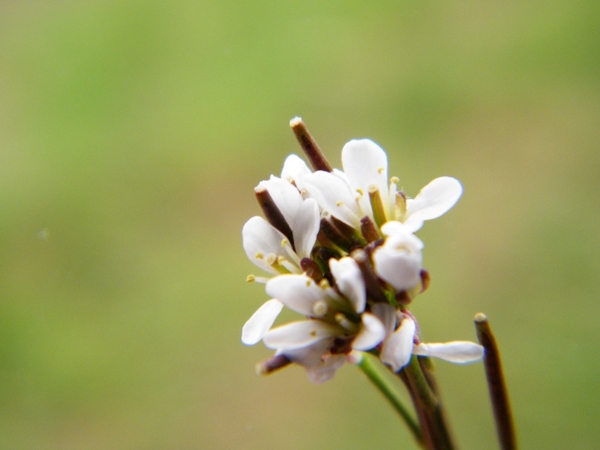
(419, 382)
(390, 393)
(432, 416)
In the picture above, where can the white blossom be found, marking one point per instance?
(399, 260)
(350, 314)
(345, 194)
(270, 249)
(399, 343)
(336, 322)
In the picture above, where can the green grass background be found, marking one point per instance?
(132, 134)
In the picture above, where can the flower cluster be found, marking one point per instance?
(342, 251)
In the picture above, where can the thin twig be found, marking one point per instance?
(496, 384)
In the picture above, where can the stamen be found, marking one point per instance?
(290, 251)
(286, 266)
(312, 151)
(392, 196)
(346, 211)
(377, 205)
(271, 259)
(344, 322)
(280, 264)
(320, 308)
(400, 205)
(254, 279)
(324, 284)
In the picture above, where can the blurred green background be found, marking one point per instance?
(132, 134)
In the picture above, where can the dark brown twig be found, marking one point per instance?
(496, 384)
(309, 145)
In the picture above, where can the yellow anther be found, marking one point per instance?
(320, 308)
(324, 284)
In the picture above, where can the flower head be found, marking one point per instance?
(343, 252)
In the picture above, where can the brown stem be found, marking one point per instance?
(272, 213)
(435, 427)
(440, 416)
(424, 424)
(496, 384)
(309, 145)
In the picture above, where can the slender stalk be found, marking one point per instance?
(421, 413)
(312, 151)
(496, 384)
(391, 394)
(440, 414)
(432, 414)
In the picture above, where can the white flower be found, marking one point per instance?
(335, 325)
(398, 345)
(362, 189)
(294, 170)
(349, 281)
(399, 260)
(269, 248)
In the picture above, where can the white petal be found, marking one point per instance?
(397, 349)
(326, 369)
(297, 292)
(260, 322)
(349, 281)
(260, 239)
(393, 227)
(434, 199)
(365, 164)
(334, 195)
(298, 334)
(460, 352)
(294, 170)
(285, 195)
(310, 356)
(306, 227)
(371, 333)
(386, 313)
(398, 262)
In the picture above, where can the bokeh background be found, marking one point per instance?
(132, 134)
